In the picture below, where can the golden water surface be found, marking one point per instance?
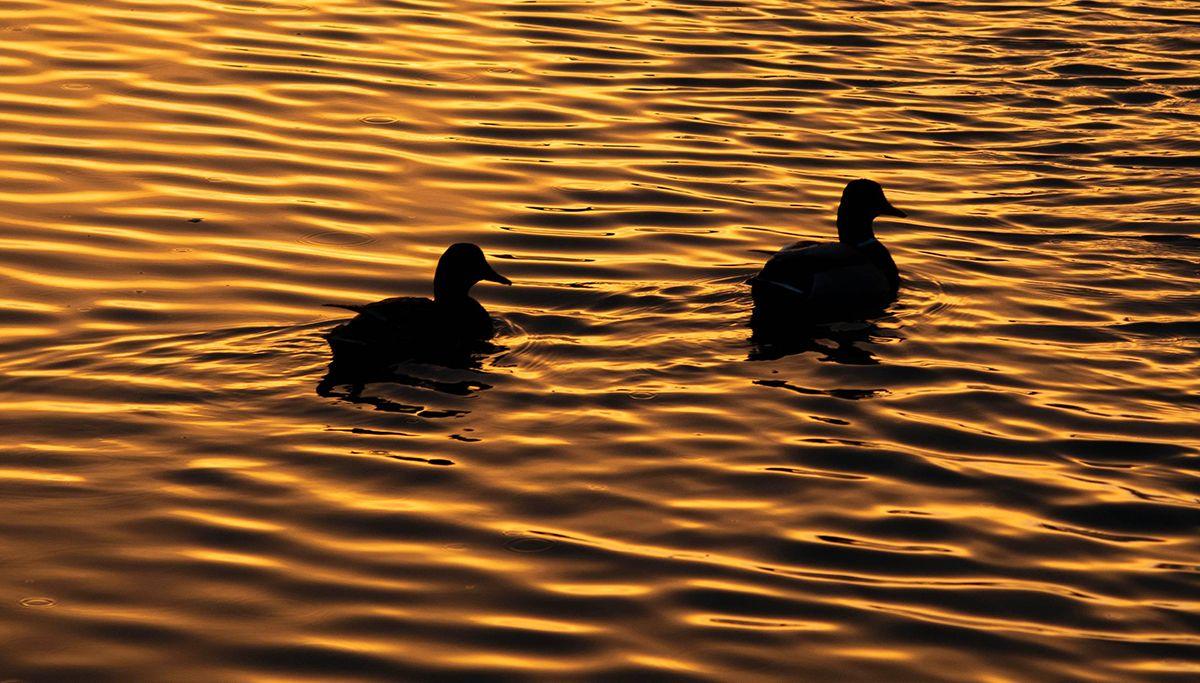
(997, 481)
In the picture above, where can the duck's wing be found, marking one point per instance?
(395, 309)
(390, 321)
(805, 267)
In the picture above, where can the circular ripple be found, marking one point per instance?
(529, 544)
(267, 8)
(448, 76)
(337, 238)
(379, 120)
(38, 602)
(922, 296)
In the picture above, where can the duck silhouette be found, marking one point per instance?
(445, 330)
(816, 282)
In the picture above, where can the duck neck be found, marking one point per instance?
(854, 227)
(861, 236)
(450, 289)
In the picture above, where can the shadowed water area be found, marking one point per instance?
(996, 481)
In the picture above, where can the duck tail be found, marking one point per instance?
(349, 307)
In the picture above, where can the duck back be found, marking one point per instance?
(412, 326)
(826, 281)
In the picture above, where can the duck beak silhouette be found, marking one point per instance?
(889, 210)
(491, 275)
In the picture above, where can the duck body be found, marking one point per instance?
(418, 326)
(449, 326)
(820, 282)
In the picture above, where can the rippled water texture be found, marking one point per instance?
(997, 481)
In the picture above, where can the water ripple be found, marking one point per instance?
(631, 486)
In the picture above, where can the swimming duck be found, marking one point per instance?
(451, 323)
(823, 282)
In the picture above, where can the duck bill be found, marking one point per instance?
(492, 276)
(889, 210)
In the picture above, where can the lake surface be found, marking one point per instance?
(996, 481)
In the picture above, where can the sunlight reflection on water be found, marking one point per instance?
(994, 480)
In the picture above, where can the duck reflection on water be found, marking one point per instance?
(843, 343)
(387, 337)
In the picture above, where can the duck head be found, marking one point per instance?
(461, 266)
(862, 203)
